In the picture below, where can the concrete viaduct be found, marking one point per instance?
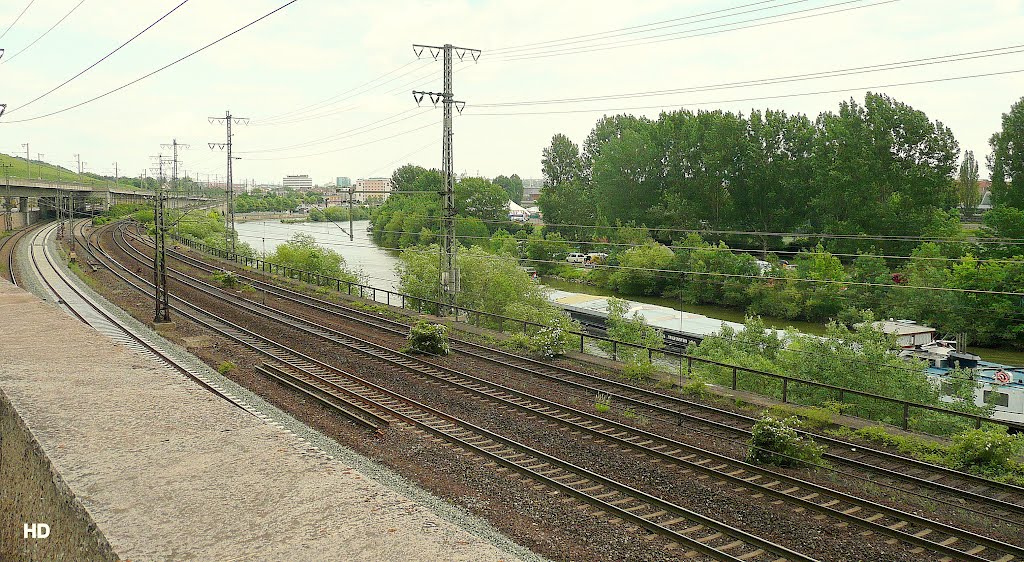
(83, 198)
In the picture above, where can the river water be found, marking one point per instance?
(378, 266)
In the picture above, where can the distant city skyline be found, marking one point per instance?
(334, 107)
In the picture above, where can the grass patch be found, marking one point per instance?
(225, 367)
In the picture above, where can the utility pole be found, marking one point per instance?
(28, 161)
(175, 188)
(229, 216)
(39, 158)
(115, 175)
(162, 307)
(8, 201)
(78, 158)
(448, 275)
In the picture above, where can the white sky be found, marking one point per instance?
(316, 49)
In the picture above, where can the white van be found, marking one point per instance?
(576, 257)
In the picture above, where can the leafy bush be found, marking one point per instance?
(639, 369)
(227, 279)
(987, 451)
(225, 367)
(425, 337)
(775, 441)
(603, 402)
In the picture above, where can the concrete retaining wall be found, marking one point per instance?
(31, 492)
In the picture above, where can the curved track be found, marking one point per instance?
(64, 291)
(8, 247)
(909, 528)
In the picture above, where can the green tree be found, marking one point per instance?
(1007, 159)
(404, 177)
(627, 177)
(481, 199)
(565, 197)
(967, 184)
(881, 168)
(635, 278)
(513, 186)
(302, 252)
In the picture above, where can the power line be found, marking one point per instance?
(957, 57)
(344, 148)
(162, 68)
(2, 35)
(691, 33)
(26, 47)
(337, 136)
(756, 98)
(499, 50)
(277, 116)
(105, 57)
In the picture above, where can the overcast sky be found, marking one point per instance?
(314, 50)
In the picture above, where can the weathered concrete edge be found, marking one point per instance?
(370, 468)
(69, 518)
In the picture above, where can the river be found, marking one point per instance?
(378, 266)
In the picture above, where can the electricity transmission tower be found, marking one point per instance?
(229, 216)
(448, 275)
(162, 307)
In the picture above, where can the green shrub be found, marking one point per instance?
(603, 402)
(227, 279)
(517, 342)
(809, 416)
(775, 441)
(638, 370)
(987, 451)
(696, 385)
(425, 337)
(225, 367)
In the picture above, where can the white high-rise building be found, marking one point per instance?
(298, 183)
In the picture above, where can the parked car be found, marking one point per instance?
(576, 257)
(595, 258)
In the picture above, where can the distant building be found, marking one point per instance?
(531, 189)
(338, 200)
(373, 186)
(343, 182)
(302, 182)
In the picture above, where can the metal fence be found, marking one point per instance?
(615, 347)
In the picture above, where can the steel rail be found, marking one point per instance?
(805, 495)
(662, 517)
(662, 402)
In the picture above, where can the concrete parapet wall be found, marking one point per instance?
(32, 492)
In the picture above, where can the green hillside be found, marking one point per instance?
(36, 169)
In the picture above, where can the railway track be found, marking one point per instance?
(976, 494)
(692, 531)
(7, 252)
(913, 530)
(65, 292)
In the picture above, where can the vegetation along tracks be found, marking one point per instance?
(690, 529)
(901, 474)
(907, 527)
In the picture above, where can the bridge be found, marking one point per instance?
(82, 198)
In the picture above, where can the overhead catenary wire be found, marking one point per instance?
(714, 29)
(13, 23)
(105, 57)
(350, 147)
(881, 67)
(45, 33)
(162, 68)
(755, 98)
(545, 44)
(342, 134)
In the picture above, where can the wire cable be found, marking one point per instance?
(45, 33)
(676, 36)
(956, 57)
(4, 34)
(162, 68)
(93, 65)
